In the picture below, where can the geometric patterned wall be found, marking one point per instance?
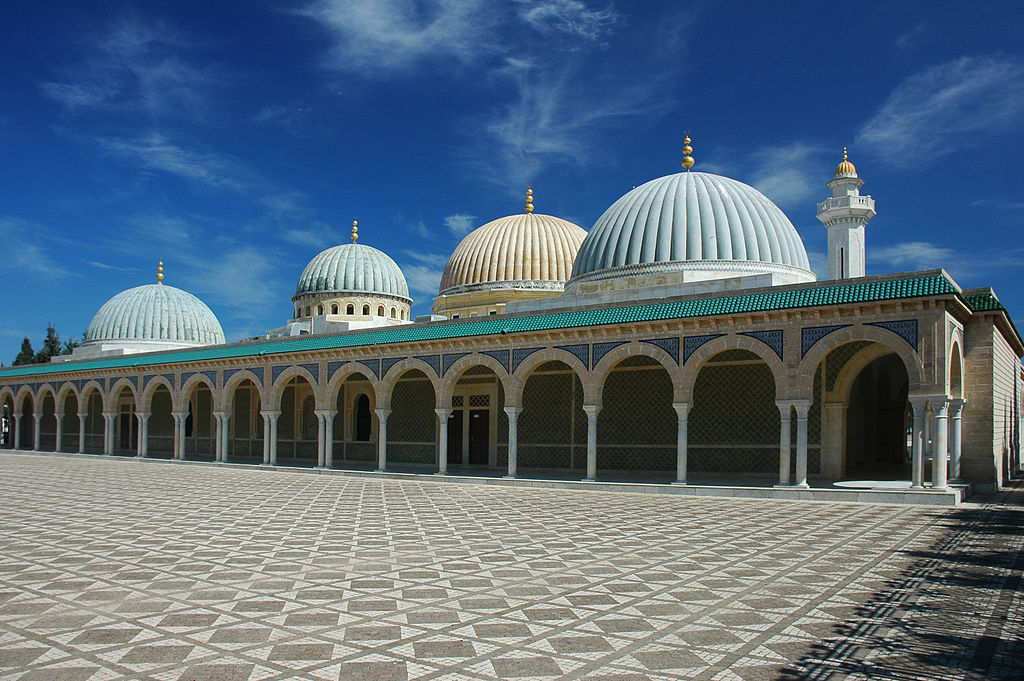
(552, 427)
(734, 421)
(161, 424)
(349, 449)
(636, 427)
(412, 425)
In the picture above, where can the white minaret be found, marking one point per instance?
(845, 215)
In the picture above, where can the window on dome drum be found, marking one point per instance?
(403, 314)
(298, 312)
(320, 309)
(380, 311)
(493, 312)
(350, 309)
(362, 419)
(455, 316)
(366, 310)
(307, 311)
(334, 308)
(392, 313)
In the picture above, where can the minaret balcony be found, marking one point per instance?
(855, 203)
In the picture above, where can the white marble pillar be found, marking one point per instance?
(36, 430)
(270, 436)
(682, 433)
(320, 450)
(955, 438)
(81, 431)
(329, 437)
(109, 418)
(802, 409)
(592, 411)
(785, 444)
(917, 452)
(179, 434)
(442, 440)
(513, 440)
(60, 431)
(142, 444)
(382, 438)
(17, 430)
(940, 458)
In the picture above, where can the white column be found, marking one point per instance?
(179, 434)
(917, 453)
(592, 411)
(270, 436)
(108, 431)
(17, 430)
(320, 450)
(802, 408)
(226, 447)
(513, 439)
(38, 418)
(442, 440)
(218, 441)
(682, 433)
(382, 438)
(81, 431)
(940, 458)
(329, 437)
(955, 438)
(785, 444)
(266, 438)
(142, 444)
(60, 431)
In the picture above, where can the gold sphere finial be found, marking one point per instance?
(845, 167)
(160, 272)
(355, 231)
(529, 198)
(844, 153)
(687, 150)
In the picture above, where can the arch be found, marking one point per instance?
(184, 395)
(110, 404)
(517, 381)
(26, 410)
(350, 309)
(460, 366)
(366, 310)
(342, 374)
(593, 388)
(848, 374)
(47, 402)
(6, 393)
(282, 381)
(309, 312)
(809, 364)
(63, 391)
(19, 399)
(955, 375)
(693, 366)
(393, 312)
(146, 401)
(380, 310)
(334, 308)
(42, 390)
(387, 383)
(235, 380)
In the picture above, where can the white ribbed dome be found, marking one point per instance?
(691, 221)
(518, 251)
(352, 268)
(155, 312)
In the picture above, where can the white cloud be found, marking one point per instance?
(243, 279)
(386, 35)
(567, 16)
(115, 268)
(913, 255)
(319, 237)
(24, 250)
(435, 260)
(156, 152)
(790, 174)
(936, 112)
(424, 281)
(460, 224)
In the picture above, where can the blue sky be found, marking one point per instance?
(235, 140)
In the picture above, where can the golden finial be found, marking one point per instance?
(845, 167)
(687, 150)
(844, 153)
(160, 273)
(355, 230)
(529, 198)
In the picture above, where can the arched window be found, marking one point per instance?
(298, 312)
(350, 309)
(362, 419)
(403, 314)
(307, 311)
(393, 313)
(334, 308)
(366, 310)
(320, 309)
(380, 311)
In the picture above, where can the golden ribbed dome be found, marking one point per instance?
(845, 167)
(519, 251)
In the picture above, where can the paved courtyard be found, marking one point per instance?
(126, 569)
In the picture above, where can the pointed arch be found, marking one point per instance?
(110, 403)
(65, 389)
(342, 374)
(183, 395)
(42, 390)
(19, 399)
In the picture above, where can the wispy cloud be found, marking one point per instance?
(156, 152)
(436, 260)
(423, 281)
(919, 255)
(24, 249)
(970, 96)
(135, 64)
(790, 174)
(106, 266)
(914, 255)
(387, 35)
(319, 236)
(570, 17)
(242, 279)
(459, 224)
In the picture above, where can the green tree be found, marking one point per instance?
(51, 346)
(27, 354)
(69, 345)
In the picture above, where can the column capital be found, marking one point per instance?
(143, 414)
(592, 410)
(327, 413)
(382, 413)
(443, 413)
(940, 408)
(180, 414)
(37, 417)
(221, 413)
(513, 412)
(270, 413)
(682, 408)
(957, 405)
(109, 414)
(81, 415)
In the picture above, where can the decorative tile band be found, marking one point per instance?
(693, 343)
(581, 351)
(812, 334)
(669, 345)
(501, 355)
(772, 339)
(520, 354)
(905, 329)
(602, 349)
(451, 358)
(434, 361)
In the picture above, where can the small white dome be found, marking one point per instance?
(155, 312)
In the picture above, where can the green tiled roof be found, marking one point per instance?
(983, 302)
(789, 298)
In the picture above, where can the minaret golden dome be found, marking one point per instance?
(355, 231)
(529, 198)
(687, 150)
(845, 167)
(160, 272)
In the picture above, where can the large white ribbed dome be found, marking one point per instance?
(518, 251)
(692, 222)
(155, 312)
(352, 268)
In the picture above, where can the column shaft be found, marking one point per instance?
(142, 442)
(682, 446)
(592, 411)
(801, 446)
(442, 440)
(38, 418)
(785, 444)
(940, 458)
(955, 439)
(382, 438)
(60, 432)
(329, 439)
(917, 452)
(17, 430)
(513, 440)
(81, 432)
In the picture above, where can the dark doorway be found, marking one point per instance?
(126, 431)
(363, 423)
(455, 437)
(479, 436)
(876, 439)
